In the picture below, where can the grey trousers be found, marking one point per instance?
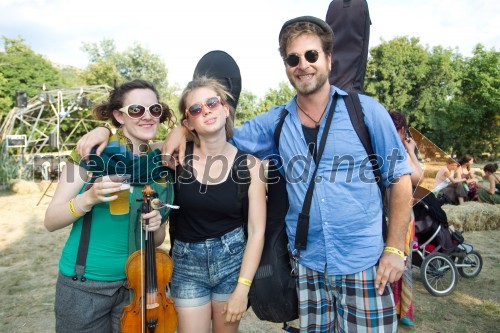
(90, 306)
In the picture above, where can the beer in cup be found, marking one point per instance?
(121, 205)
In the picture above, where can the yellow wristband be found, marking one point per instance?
(72, 209)
(75, 203)
(244, 281)
(395, 251)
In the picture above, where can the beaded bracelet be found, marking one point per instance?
(72, 209)
(395, 251)
(244, 281)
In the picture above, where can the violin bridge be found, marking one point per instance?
(152, 306)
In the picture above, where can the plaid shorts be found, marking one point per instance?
(344, 303)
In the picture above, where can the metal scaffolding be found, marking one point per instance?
(32, 133)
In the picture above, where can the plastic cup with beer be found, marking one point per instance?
(121, 205)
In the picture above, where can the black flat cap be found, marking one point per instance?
(311, 19)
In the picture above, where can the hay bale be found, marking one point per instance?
(24, 187)
(473, 216)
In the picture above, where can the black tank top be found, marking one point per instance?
(206, 211)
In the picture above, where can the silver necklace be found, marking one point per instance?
(316, 123)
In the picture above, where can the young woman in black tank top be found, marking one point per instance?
(213, 263)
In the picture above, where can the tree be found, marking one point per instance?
(273, 97)
(473, 116)
(420, 83)
(108, 66)
(247, 107)
(102, 68)
(394, 70)
(22, 69)
(71, 77)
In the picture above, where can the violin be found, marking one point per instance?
(148, 272)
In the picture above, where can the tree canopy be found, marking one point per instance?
(22, 69)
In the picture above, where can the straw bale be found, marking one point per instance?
(24, 187)
(473, 216)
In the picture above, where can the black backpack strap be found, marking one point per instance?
(289, 328)
(357, 119)
(83, 246)
(279, 127)
(303, 220)
(241, 175)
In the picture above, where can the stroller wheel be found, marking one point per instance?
(470, 266)
(439, 274)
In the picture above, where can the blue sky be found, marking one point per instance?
(182, 32)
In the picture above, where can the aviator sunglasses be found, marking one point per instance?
(211, 103)
(293, 58)
(136, 111)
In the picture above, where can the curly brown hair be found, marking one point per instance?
(104, 111)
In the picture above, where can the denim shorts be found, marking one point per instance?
(207, 271)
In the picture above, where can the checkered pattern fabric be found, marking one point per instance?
(344, 303)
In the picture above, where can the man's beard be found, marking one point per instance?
(308, 88)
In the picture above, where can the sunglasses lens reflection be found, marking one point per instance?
(136, 111)
(156, 110)
(293, 59)
(311, 56)
(212, 103)
(195, 109)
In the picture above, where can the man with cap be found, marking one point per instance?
(344, 269)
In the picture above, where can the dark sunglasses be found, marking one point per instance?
(212, 103)
(293, 59)
(136, 111)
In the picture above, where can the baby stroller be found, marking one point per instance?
(440, 251)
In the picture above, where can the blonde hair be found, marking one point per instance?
(219, 89)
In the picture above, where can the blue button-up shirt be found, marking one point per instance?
(345, 227)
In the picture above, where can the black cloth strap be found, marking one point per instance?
(303, 220)
(357, 119)
(83, 247)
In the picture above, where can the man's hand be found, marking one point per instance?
(391, 267)
(99, 136)
(174, 147)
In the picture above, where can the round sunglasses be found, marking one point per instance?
(211, 103)
(136, 111)
(293, 59)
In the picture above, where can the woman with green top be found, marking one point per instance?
(490, 194)
(90, 297)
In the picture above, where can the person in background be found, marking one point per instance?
(447, 185)
(490, 194)
(92, 300)
(402, 289)
(470, 181)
